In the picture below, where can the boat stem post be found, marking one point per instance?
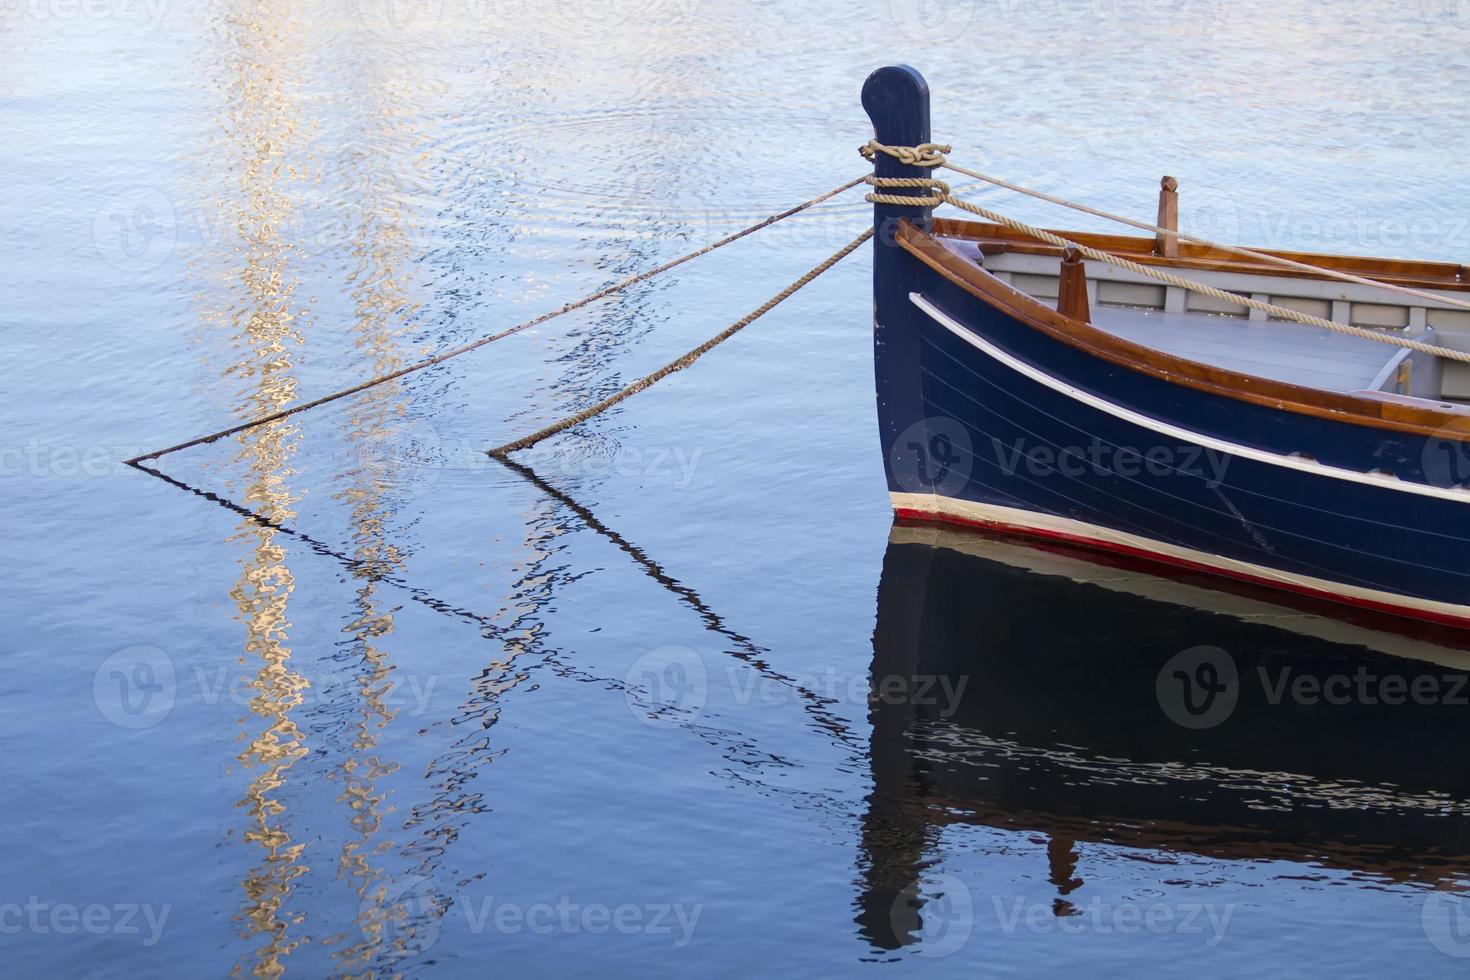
(896, 99)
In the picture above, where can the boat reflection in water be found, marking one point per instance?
(1091, 703)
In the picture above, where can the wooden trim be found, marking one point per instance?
(1230, 447)
(1450, 421)
(996, 239)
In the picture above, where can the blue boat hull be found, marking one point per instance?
(988, 421)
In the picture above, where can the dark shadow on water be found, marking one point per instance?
(1027, 688)
(523, 639)
(1032, 689)
(742, 648)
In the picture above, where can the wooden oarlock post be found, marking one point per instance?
(1167, 243)
(1072, 290)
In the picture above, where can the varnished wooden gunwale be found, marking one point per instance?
(1447, 422)
(995, 239)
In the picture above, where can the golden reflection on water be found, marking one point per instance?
(375, 173)
(268, 181)
(258, 153)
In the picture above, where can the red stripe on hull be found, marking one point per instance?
(1098, 544)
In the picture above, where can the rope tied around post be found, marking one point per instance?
(932, 155)
(940, 188)
(929, 156)
(923, 155)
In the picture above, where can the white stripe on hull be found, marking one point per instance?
(1383, 481)
(967, 511)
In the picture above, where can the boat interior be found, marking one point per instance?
(1233, 337)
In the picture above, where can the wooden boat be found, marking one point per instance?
(1052, 728)
(1019, 391)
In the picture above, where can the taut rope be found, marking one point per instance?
(933, 155)
(681, 363)
(1206, 243)
(941, 195)
(476, 344)
(925, 155)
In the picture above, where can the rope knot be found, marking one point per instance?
(923, 155)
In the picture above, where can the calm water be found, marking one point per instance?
(348, 698)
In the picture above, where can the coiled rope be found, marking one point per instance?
(932, 155)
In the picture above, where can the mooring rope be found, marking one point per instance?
(476, 344)
(933, 155)
(925, 155)
(941, 195)
(648, 380)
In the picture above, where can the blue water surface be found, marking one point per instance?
(342, 695)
